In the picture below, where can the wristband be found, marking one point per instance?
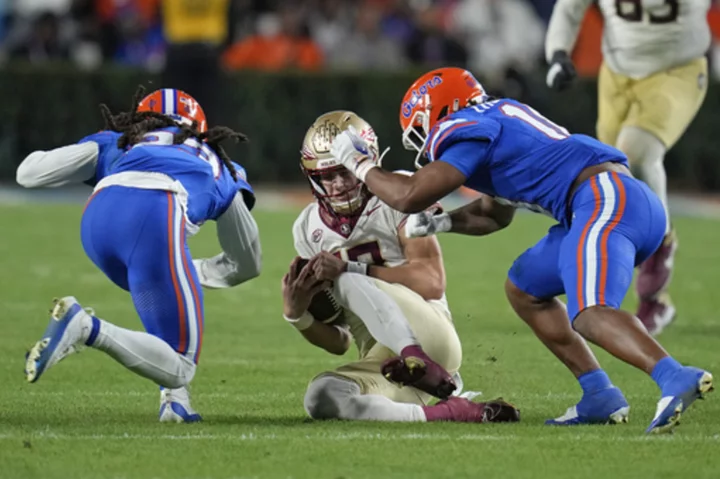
(361, 170)
(303, 322)
(443, 222)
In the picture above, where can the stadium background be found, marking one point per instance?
(269, 68)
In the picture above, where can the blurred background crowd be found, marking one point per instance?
(487, 36)
(360, 54)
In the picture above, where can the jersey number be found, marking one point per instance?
(205, 153)
(365, 253)
(631, 11)
(536, 120)
(202, 150)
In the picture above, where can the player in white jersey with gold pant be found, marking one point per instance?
(652, 83)
(391, 290)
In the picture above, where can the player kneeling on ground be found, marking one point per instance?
(388, 293)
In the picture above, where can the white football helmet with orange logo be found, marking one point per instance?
(316, 160)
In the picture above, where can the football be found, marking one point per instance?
(323, 306)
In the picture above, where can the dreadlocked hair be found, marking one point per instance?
(134, 125)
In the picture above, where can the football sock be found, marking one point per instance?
(594, 381)
(331, 397)
(664, 370)
(142, 353)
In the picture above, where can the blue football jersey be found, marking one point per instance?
(508, 150)
(108, 153)
(210, 186)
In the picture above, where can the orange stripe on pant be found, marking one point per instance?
(196, 295)
(619, 211)
(182, 346)
(581, 245)
(90, 199)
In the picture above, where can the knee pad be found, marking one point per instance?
(326, 395)
(642, 148)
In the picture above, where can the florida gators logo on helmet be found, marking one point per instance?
(432, 97)
(176, 104)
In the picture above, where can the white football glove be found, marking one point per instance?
(427, 224)
(353, 152)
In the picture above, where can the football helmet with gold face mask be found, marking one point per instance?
(336, 188)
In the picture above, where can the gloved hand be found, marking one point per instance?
(350, 149)
(562, 72)
(426, 223)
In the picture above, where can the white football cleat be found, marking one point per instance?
(69, 328)
(175, 406)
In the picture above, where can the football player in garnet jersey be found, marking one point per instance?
(388, 295)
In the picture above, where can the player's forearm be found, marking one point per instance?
(424, 280)
(397, 191)
(564, 26)
(241, 258)
(467, 224)
(481, 217)
(331, 338)
(58, 167)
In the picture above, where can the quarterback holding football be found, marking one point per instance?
(358, 277)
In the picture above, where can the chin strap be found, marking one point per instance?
(380, 158)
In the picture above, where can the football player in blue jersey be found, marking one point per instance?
(608, 222)
(158, 174)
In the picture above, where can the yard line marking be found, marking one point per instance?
(362, 436)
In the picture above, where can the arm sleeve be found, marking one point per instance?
(564, 26)
(241, 258)
(467, 155)
(58, 167)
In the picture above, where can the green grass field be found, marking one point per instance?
(90, 418)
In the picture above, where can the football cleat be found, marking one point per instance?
(604, 407)
(499, 410)
(456, 409)
(656, 271)
(690, 384)
(175, 406)
(656, 314)
(66, 333)
(421, 373)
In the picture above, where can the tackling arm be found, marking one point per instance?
(481, 217)
(58, 167)
(239, 239)
(412, 194)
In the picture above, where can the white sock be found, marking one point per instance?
(646, 154)
(332, 397)
(144, 354)
(378, 311)
(373, 407)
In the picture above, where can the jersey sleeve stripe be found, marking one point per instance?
(441, 135)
